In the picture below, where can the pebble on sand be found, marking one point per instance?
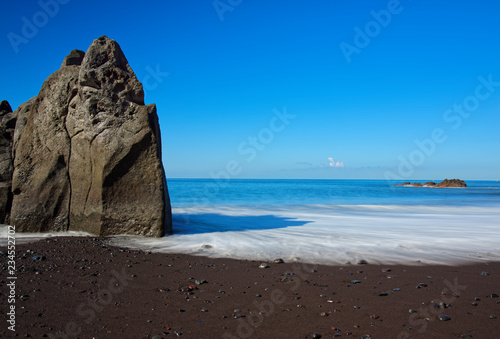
(444, 317)
(263, 265)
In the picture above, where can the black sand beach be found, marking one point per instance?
(85, 288)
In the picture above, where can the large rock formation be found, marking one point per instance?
(7, 126)
(87, 151)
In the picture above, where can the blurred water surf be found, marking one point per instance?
(329, 221)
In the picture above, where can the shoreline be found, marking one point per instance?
(84, 287)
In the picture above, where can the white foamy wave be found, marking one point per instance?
(23, 238)
(325, 234)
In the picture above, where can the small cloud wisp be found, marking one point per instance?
(335, 164)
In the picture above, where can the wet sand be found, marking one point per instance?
(85, 288)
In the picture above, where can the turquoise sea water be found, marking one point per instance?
(329, 221)
(188, 192)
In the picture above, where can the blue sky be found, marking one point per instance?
(273, 89)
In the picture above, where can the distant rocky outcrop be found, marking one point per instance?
(444, 183)
(87, 151)
(452, 183)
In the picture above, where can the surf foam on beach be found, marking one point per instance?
(333, 234)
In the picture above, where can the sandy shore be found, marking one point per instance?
(85, 288)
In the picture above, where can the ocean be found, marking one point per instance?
(331, 221)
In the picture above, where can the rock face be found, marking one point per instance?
(88, 151)
(7, 126)
(444, 183)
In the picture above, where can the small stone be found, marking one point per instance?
(324, 314)
(357, 307)
(181, 310)
(177, 333)
(263, 265)
(474, 303)
(385, 270)
(278, 261)
(411, 310)
(421, 285)
(362, 262)
(374, 316)
(477, 299)
(38, 257)
(493, 295)
(204, 310)
(492, 316)
(236, 310)
(258, 295)
(316, 335)
(149, 321)
(391, 276)
(222, 291)
(355, 281)
(200, 282)
(444, 317)
(485, 273)
(383, 294)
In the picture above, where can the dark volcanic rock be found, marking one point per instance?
(444, 183)
(40, 181)
(75, 57)
(88, 151)
(7, 126)
(118, 183)
(452, 183)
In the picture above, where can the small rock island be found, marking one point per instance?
(444, 183)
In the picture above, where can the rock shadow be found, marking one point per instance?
(213, 222)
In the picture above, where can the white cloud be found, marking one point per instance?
(335, 164)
